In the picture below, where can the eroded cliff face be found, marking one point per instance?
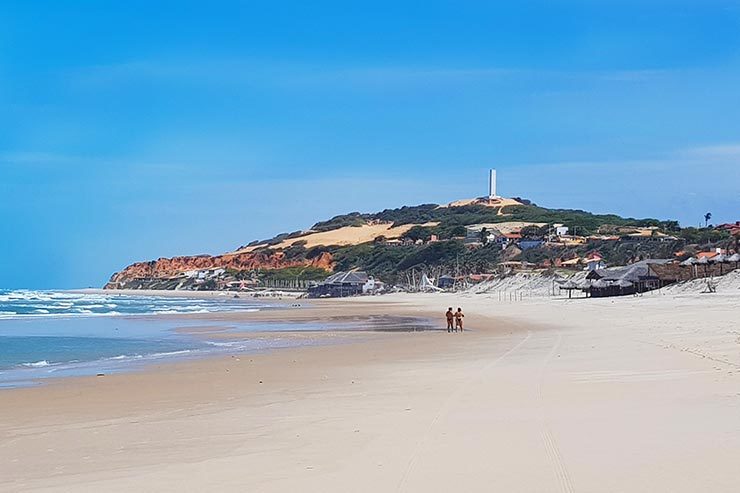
(143, 273)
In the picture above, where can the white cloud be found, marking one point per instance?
(724, 151)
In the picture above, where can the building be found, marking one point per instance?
(342, 284)
(512, 238)
(529, 244)
(474, 234)
(639, 277)
(729, 226)
(575, 262)
(594, 262)
(446, 282)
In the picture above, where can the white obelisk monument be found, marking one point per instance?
(492, 185)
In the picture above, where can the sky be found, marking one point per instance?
(137, 130)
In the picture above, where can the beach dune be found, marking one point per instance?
(637, 394)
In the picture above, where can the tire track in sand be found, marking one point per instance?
(565, 483)
(445, 409)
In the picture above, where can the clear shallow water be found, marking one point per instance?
(87, 334)
(51, 334)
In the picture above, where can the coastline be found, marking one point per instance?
(192, 294)
(156, 329)
(606, 395)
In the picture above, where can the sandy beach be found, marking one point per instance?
(630, 394)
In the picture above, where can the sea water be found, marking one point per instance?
(52, 334)
(47, 334)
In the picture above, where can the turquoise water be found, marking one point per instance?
(54, 334)
(45, 334)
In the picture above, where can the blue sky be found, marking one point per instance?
(134, 130)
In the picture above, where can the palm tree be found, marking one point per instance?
(707, 217)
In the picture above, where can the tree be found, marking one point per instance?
(458, 231)
(670, 226)
(533, 232)
(707, 217)
(418, 233)
(483, 236)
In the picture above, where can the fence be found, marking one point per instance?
(288, 284)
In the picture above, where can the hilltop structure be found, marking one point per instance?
(492, 199)
(492, 185)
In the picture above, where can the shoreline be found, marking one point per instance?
(192, 294)
(609, 395)
(216, 334)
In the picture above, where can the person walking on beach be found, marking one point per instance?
(450, 315)
(459, 315)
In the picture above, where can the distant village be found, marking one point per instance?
(514, 238)
(576, 258)
(599, 279)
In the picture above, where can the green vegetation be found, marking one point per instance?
(391, 262)
(351, 219)
(613, 252)
(703, 235)
(418, 233)
(377, 259)
(581, 222)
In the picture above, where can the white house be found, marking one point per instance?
(595, 262)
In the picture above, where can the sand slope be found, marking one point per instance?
(347, 235)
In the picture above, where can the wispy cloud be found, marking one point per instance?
(722, 151)
(26, 158)
(237, 72)
(633, 75)
(286, 74)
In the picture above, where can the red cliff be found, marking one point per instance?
(172, 267)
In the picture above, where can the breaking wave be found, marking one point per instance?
(37, 364)
(28, 303)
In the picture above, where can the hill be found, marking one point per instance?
(461, 237)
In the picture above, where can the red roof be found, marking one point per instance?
(734, 225)
(513, 236)
(706, 254)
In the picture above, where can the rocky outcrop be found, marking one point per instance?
(155, 271)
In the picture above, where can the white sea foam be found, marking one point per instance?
(170, 353)
(224, 344)
(37, 364)
(23, 304)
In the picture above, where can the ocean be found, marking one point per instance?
(51, 334)
(47, 334)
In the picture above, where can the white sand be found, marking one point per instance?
(623, 395)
